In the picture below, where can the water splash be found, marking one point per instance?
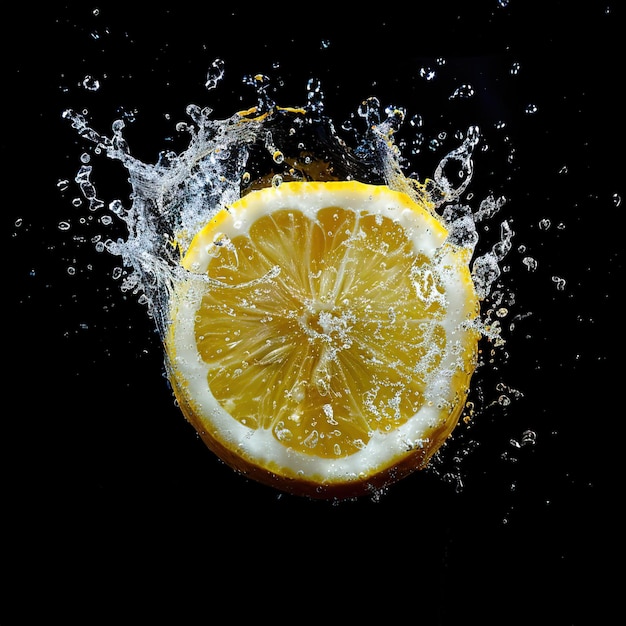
(265, 145)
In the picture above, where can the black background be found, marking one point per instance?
(114, 511)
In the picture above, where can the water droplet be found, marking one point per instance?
(484, 272)
(416, 121)
(515, 68)
(215, 74)
(434, 144)
(504, 400)
(453, 184)
(195, 113)
(529, 437)
(531, 109)
(315, 95)
(559, 282)
(312, 439)
(488, 208)
(462, 226)
(502, 247)
(427, 73)
(63, 184)
(90, 83)
(116, 206)
(617, 199)
(463, 92)
(530, 263)
(278, 157)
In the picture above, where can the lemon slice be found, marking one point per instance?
(321, 339)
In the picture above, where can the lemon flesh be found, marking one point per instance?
(322, 337)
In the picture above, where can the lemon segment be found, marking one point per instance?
(322, 338)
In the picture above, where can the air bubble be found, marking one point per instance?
(312, 439)
(283, 433)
